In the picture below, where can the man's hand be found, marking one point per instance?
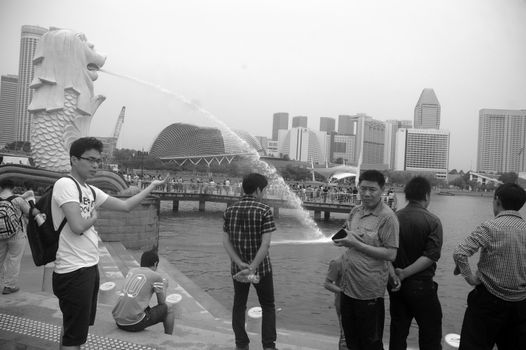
(160, 182)
(473, 280)
(400, 273)
(395, 283)
(348, 241)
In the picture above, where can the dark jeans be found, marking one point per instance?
(363, 322)
(265, 292)
(489, 320)
(418, 300)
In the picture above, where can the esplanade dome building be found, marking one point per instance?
(180, 141)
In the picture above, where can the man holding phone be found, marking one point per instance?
(372, 242)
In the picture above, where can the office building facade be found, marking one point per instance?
(423, 150)
(30, 36)
(346, 125)
(427, 111)
(501, 141)
(299, 121)
(327, 124)
(280, 121)
(303, 144)
(8, 88)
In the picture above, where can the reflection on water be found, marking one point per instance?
(192, 241)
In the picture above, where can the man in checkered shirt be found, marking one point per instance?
(496, 311)
(247, 227)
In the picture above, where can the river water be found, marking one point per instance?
(192, 241)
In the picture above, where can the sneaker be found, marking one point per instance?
(9, 290)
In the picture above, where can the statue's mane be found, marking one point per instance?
(60, 63)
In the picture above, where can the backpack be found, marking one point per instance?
(43, 240)
(10, 220)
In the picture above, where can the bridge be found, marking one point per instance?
(275, 203)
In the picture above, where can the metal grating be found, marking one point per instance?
(51, 332)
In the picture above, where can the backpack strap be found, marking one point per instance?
(63, 223)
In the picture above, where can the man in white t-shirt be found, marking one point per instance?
(76, 275)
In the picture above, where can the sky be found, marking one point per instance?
(245, 60)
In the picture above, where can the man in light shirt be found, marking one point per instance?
(76, 274)
(132, 312)
(496, 311)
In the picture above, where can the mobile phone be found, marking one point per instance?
(340, 234)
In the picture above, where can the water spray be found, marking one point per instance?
(269, 170)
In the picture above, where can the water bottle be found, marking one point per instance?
(253, 278)
(40, 218)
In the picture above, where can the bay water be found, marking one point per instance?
(192, 241)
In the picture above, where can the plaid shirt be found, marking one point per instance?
(245, 222)
(502, 263)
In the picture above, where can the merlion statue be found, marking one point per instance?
(65, 66)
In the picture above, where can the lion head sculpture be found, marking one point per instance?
(63, 104)
(64, 59)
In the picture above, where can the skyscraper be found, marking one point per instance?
(8, 85)
(502, 140)
(28, 43)
(327, 124)
(423, 150)
(280, 122)
(427, 111)
(299, 121)
(346, 125)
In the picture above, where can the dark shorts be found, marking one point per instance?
(152, 316)
(77, 297)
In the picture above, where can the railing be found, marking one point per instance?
(307, 196)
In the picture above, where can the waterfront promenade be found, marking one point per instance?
(30, 319)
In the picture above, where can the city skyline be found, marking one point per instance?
(315, 60)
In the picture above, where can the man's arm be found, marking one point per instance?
(77, 223)
(331, 286)
(160, 291)
(477, 239)
(380, 253)
(232, 253)
(262, 251)
(128, 204)
(430, 255)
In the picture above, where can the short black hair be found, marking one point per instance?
(7, 183)
(79, 146)
(512, 196)
(149, 258)
(373, 176)
(253, 181)
(417, 188)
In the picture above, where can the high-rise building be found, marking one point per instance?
(427, 111)
(280, 122)
(299, 121)
(502, 140)
(340, 148)
(8, 86)
(303, 144)
(346, 125)
(28, 43)
(423, 150)
(391, 127)
(327, 124)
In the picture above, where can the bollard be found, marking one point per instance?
(452, 341)
(47, 278)
(254, 318)
(107, 294)
(174, 301)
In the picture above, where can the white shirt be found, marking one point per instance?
(75, 251)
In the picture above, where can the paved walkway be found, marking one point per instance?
(30, 319)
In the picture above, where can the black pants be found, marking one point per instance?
(418, 300)
(363, 322)
(489, 320)
(265, 292)
(77, 297)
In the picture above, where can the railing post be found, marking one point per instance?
(175, 205)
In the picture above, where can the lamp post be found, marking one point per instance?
(142, 162)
